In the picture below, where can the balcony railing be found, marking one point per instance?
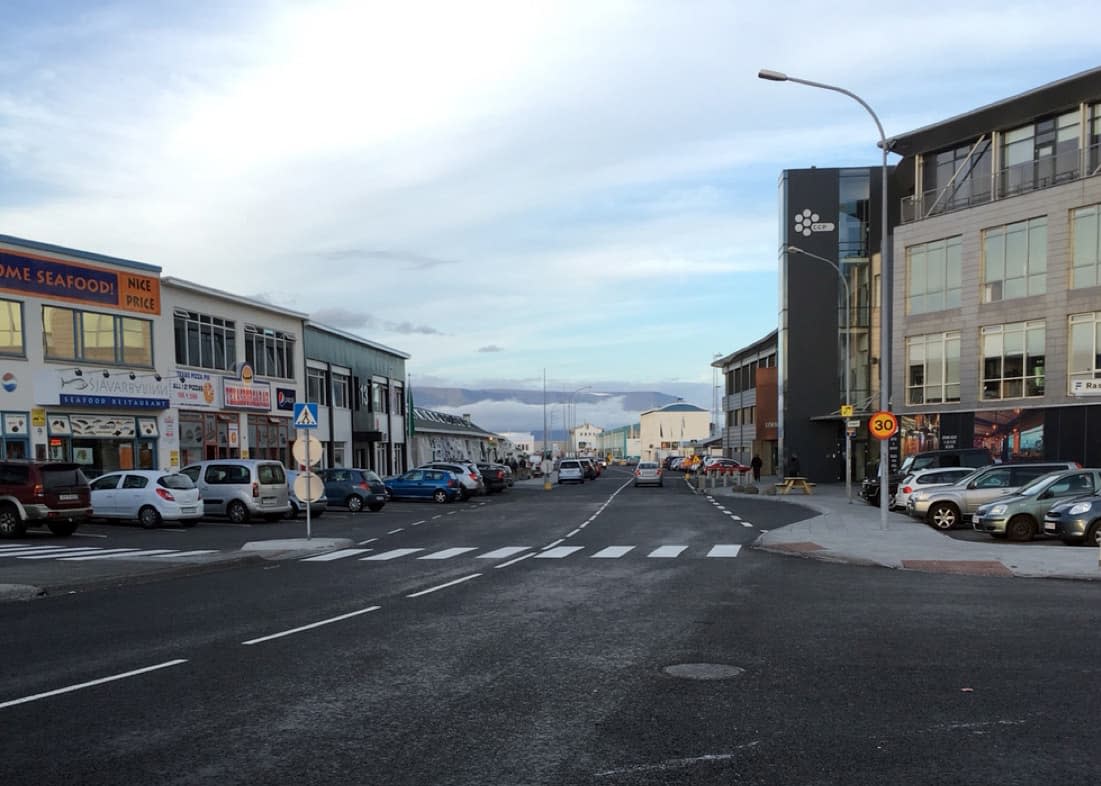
(1022, 178)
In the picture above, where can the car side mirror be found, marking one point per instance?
(1048, 494)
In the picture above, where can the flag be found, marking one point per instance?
(409, 409)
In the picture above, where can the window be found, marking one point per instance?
(340, 391)
(1086, 228)
(11, 328)
(1013, 360)
(205, 341)
(315, 386)
(933, 368)
(269, 352)
(91, 337)
(957, 177)
(379, 397)
(933, 276)
(1015, 260)
(1085, 347)
(135, 482)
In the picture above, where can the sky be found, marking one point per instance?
(503, 190)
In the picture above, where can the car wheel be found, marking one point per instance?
(375, 507)
(11, 526)
(354, 503)
(943, 516)
(1093, 535)
(439, 496)
(237, 512)
(1020, 528)
(63, 529)
(148, 517)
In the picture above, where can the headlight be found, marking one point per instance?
(998, 510)
(1078, 508)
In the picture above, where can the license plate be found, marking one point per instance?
(68, 497)
(267, 500)
(1049, 526)
(192, 509)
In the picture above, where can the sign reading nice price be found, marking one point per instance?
(882, 425)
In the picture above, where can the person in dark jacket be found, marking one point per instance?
(756, 464)
(793, 470)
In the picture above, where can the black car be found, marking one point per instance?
(927, 459)
(355, 489)
(495, 476)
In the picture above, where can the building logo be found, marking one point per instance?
(9, 382)
(285, 398)
(807, 222)
(246, 373)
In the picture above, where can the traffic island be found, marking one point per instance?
(288, 548)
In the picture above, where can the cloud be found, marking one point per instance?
(409, 261)
(491, 348)
(348, 319)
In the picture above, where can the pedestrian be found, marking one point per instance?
(756, 463)
(793, 470)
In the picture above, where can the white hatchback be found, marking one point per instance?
(148, 496)
(927, 478)
(570, 470)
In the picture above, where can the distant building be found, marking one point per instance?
(620, 442)
(583, 438)
(523, 442)
(671, 429)
(750, 426)
(438, 436)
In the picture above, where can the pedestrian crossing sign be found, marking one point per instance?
(305, 415)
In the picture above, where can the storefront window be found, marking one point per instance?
(11, 327)
(91, 337)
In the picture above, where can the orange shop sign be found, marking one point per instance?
(239, 395)
(55, 278)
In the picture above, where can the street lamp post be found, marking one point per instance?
(884, 294)
(848, 339)
(573, 418)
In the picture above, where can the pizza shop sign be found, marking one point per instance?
(246, 393)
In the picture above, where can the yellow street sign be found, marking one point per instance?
(846, 410)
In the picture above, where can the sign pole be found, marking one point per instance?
(309, 504)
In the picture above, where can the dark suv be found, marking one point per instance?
(926, 459)
(354, 488)
(40, 493)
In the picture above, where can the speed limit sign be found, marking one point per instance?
(882, 425)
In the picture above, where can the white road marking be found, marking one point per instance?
(667, 551)
(503, 553)
(747, 524)
(724, 550)
(570, 535)
(444, 586)
(38, 550)
(452, 512)
(311, 626)
(365, 542)
(724, 510)
(119, 554)
(612, 552)
(416, 523)
(552, 545)
(195, 553)
(514, 561)
(437, 516)
(558, 553)
(92, 683)
(446, 553)
(395, 531)
(393, 554)
(52, 554)
(339, 554)
(88, 535)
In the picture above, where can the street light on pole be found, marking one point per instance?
(848, 373)
(573, 418)
(884, 294)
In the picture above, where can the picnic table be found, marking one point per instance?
(794, 482)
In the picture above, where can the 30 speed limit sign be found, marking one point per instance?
(882, 425)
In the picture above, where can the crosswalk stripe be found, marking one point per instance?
(119, 554)
(504, 553)
(724, 550)
(55, 554)
(37, 550)
(612, 552)
(195, 553)
(446, 553)
(388, 555)
(558, 552)
(340, 554)
(667, 551)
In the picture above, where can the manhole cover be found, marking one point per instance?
(703, 671)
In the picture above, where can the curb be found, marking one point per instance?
(19, 592)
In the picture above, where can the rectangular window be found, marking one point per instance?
(91, 337)
(269, 352)
(315, 386)
(1015, 260)
(205, 341)
(11, 328)
(1013, 360)
(340, 391)
(1086, 228)
(1085, 348)
(933, 276)
(933, 368)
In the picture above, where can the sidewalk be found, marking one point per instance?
(852, 533)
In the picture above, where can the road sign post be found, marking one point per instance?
(305, 419)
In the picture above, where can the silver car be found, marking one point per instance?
(1019, 516)
(570, 471)
(241, 488)
(922, 479)
(648, 473)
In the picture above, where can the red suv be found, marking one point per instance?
(39, 493)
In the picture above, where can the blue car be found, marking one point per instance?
(435, 484)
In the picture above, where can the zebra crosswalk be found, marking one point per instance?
(90, 553)
(718, 550)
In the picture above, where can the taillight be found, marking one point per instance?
(451, 482)
(363, 484)
(39, 490)
(473, 477)
(638, 473)
(165, 494)
(907, 490)
(255, 490)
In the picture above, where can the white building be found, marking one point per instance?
(585, 438)
(672, 429)
(523, 442)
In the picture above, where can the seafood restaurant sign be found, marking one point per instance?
(65, 388)
(40, 275)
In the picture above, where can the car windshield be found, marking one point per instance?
(62, 477)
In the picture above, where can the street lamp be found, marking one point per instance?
(569, 434)
(884, 294)
(848, 339)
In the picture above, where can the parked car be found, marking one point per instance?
(241, 488)
(926, 459)
(926, 479)
(648, 473)
(148, 496)
(588, 468)
(317, 507)
(468, 475)
(719, 464)
(494, 476)
(354, 488)
(571, 471)
(438, 485)
(945, 507)
(1076, 521)
(50, 494)
(1019, 517)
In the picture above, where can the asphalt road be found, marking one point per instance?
(443, 667)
